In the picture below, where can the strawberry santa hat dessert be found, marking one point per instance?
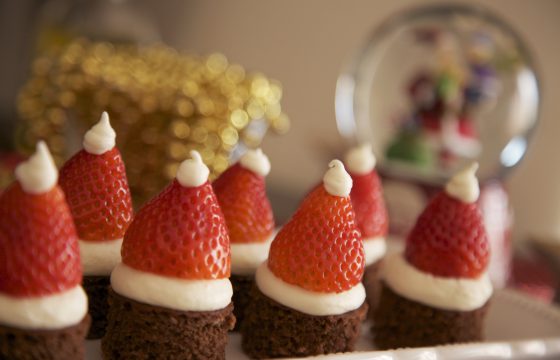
(438, 291)
(94, 181)
(171, 296)
(43, 308)
(242, 196)
(371, 215)
(308, 298)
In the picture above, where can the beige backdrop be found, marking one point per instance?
(304, 45)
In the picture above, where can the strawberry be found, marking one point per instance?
(39, 252)
(247, 211)
(179, 233)
(449, 239)
(97, 191)
(319, 249)
(366, 194)
(369, 205)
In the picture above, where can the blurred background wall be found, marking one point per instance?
(304, 44)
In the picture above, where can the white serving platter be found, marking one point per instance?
(517, 327)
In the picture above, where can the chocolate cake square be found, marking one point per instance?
(60, 344)
(272, 330)
(141, 331)
(400, 322)
(97, 289)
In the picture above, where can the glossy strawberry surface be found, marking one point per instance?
(369, 205)
(242, 197)
(320, 248)
(179, 233)
(39, 252)
(449, 239)
(97, 191)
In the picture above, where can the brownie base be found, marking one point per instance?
(242, 285)
(140, 331)
(60, 344)
(97, 289)
(372, 284)
(273, 330)
(400, 322)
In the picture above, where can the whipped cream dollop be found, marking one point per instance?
(101, 137)
(375, 248)
(337, 181)
(308, 302)
(360, 160)
(193, 172)
(48, 312)
(256, 161)
(459, 294)
(100, 257)
(246, 257)
(38, 174)
(463, 185)
(171, 293)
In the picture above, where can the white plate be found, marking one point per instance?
(517, 327)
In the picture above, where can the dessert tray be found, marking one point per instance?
(517, 327)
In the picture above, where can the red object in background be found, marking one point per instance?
(8, 163)
(534, 277)
(467, 128)
(369, 205)
(431, 122)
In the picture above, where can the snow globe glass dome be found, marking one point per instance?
(437, 87)
(434, 89)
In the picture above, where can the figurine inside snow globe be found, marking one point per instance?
(432, 90)
(445, 99)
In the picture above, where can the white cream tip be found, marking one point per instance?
(256, 161)
(360, 160)
(101, 137)
(38, 174)
(104, 119)
(463, 185)
(193, 172)
(195, 155)
(337, 181)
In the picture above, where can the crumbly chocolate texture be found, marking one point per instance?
(372, 284)
(140, 331)
(400, 322)
(242, 286)
(97, 288)
(273, 330)
(59, 344)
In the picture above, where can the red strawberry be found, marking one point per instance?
(449, 239)
(369, 205)
(319, 249)
(367, 196)
(39, 252)
(179, 233)
(98, 195)
(247, 211)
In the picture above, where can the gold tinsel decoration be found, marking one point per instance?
(161, 103)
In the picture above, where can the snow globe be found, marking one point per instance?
(435, 88)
